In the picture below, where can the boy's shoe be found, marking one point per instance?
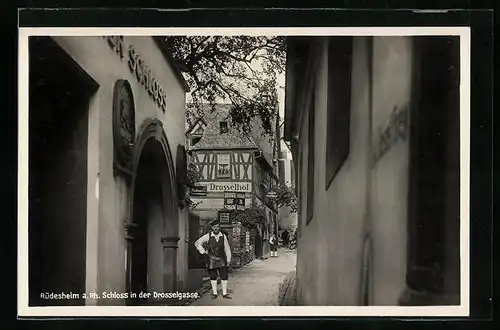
(213, 295)
(226, 296)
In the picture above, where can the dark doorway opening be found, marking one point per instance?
(434, 222)
(59, 94)
(195, 261)
(258, 245)
(152, 266)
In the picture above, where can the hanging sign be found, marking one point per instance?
(199, 191)
(272, 195)
(234, 201)
(227, 186)
(224, 217)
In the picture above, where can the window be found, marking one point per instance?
(223, 127)
(339, 105)
(195, 140)
(310, 158)
(223, 166)
(265, 180)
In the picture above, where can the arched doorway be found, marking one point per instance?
(153, 227)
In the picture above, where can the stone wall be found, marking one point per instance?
(287, 294)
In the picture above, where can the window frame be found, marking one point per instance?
(191, 140)
(311, 156)
(219, 176)
(340, 51)
(226, 130)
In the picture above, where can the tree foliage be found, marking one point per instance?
(241, 70)
(193, 176)
(250, 217)
(286, 197)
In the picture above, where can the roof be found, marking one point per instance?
(195, 126)
(213, 139)
(298, 77)
(234, 139)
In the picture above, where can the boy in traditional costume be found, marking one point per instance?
(218, 257)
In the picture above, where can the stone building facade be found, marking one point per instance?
(374, 127)
(106, 138)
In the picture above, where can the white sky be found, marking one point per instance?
(281, 95)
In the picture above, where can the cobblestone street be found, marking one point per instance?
(256, 284)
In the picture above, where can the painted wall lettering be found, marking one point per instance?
(397, 130)
(140, 70)
(116, 43)
(144, 77)
(227, 186)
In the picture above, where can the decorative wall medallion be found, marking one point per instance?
(123, 125)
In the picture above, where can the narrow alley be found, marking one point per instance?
(256, 284)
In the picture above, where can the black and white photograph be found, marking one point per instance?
(246, 171)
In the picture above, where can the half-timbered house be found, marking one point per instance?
(233, 167)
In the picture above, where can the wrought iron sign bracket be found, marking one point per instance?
(130, 230)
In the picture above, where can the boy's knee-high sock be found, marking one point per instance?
(214, 286)
(224, 287)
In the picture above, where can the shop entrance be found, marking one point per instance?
(433, 274)
(152, 263)
(59, 93)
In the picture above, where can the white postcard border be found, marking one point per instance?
(268, 311)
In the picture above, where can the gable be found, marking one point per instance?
(198, 128)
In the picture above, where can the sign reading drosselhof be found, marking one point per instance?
(227, 186)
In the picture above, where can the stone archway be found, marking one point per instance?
(152, 230)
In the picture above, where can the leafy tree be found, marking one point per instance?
(239, 69)
(193, 176)
(250, 217)
(286, 197)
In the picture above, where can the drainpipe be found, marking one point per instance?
(366, 263)
(260, 155)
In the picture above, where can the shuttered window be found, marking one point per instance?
(339, 105)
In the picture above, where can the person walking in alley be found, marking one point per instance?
(285, 236)
(273, 241)
(293, 240)
(215, 246)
